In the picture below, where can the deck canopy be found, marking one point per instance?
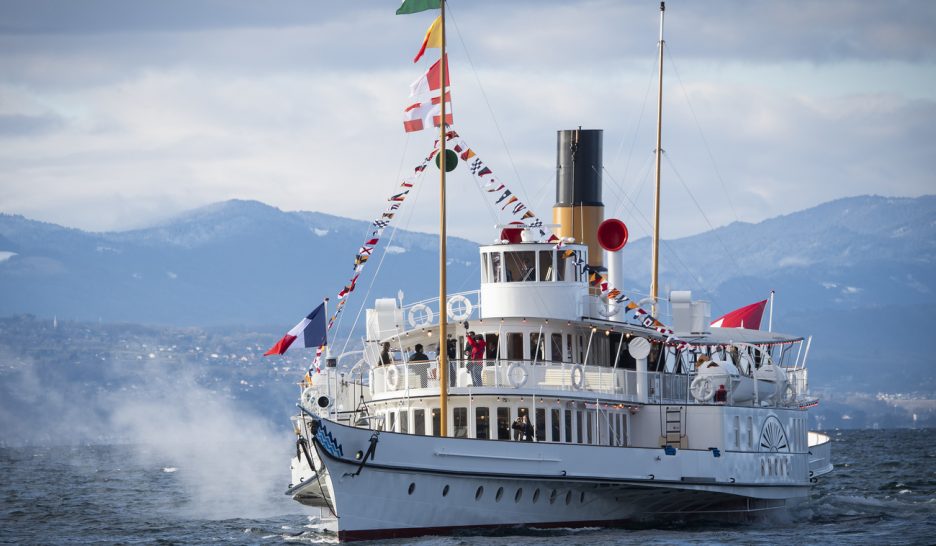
(717, 336)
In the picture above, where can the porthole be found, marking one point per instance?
(569, 497)
(552, 496)
(412, 487)
(519, 495)
(536, 495)
(445, 490)
(581, 498)
(479, 492)
(499, 494)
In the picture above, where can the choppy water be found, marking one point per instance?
(883, 491)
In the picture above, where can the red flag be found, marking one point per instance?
(748, 317)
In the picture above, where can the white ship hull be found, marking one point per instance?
(414, 485)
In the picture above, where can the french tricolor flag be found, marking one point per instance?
(310, 332)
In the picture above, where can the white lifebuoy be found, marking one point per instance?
(458, 308)
(578, 377)
(392, 377)
(610, 310)
(420, 315)
(789, 394)
(702, 389)
(512, 373)
(307, 399)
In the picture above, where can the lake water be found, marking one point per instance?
(883, 491)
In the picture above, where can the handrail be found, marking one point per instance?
(558, 377)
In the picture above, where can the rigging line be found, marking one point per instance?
(383, 255)
(487, 102)
(708, 149)
(639, 182)
(728, 253)
(643, 108)
(670, 250)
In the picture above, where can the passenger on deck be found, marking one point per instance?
(385, 357)
(478, 351)
(419, 365)
(523, 429)
(721, 395)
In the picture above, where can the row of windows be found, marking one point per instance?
(570, 425)
(518, 495)
(530, 266)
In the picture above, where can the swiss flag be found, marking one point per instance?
(748, 317)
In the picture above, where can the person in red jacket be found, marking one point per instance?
(478, 350)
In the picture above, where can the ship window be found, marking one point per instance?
(520, 266)
(750, 432)
(536, 495)
(482, 423)
(460, 417)
(737, 431)
(392, 422)
(578, 426)
(568, 349)
(537, 347)
(555, 347)
(569, 497)
(436, 424)
(568, 426)
(519, 495)
(582, 497)
(404, 421)
(546, 265)
(491, 347)
(514, 346)
(412, 487)
(503, 423)
(556, 424)
(552, 496)
(479, 492)
(589, 427)
(540, 424)
(419, 421)
(496, 271)
(445, 490)
(485, 272)
(499, 494)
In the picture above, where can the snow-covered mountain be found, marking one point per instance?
(858, 273)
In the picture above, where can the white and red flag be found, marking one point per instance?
(425, 95)
(310, 332)
(748, 317)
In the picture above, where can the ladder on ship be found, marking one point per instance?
(674, 426)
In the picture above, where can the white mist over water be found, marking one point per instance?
(232, 463)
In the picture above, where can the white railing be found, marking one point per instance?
(460, 307)
(541, 377)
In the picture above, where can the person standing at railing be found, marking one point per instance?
(478, 350)
(420, 368)
(385, 357)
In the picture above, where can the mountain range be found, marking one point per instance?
(859, 272)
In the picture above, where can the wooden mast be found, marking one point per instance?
(443, 316)
(655, 269)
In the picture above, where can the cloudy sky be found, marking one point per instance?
(116, 114)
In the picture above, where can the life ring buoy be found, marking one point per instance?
(609, 310)
(458, 308)
(515, 369)
(420, 315)
(308, 397)
(789, 394)
(578, 377)
(392, 378)
(702, 389)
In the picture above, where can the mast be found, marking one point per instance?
(443, 316)
(655, 259)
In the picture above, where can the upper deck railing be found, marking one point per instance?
(545, 378)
